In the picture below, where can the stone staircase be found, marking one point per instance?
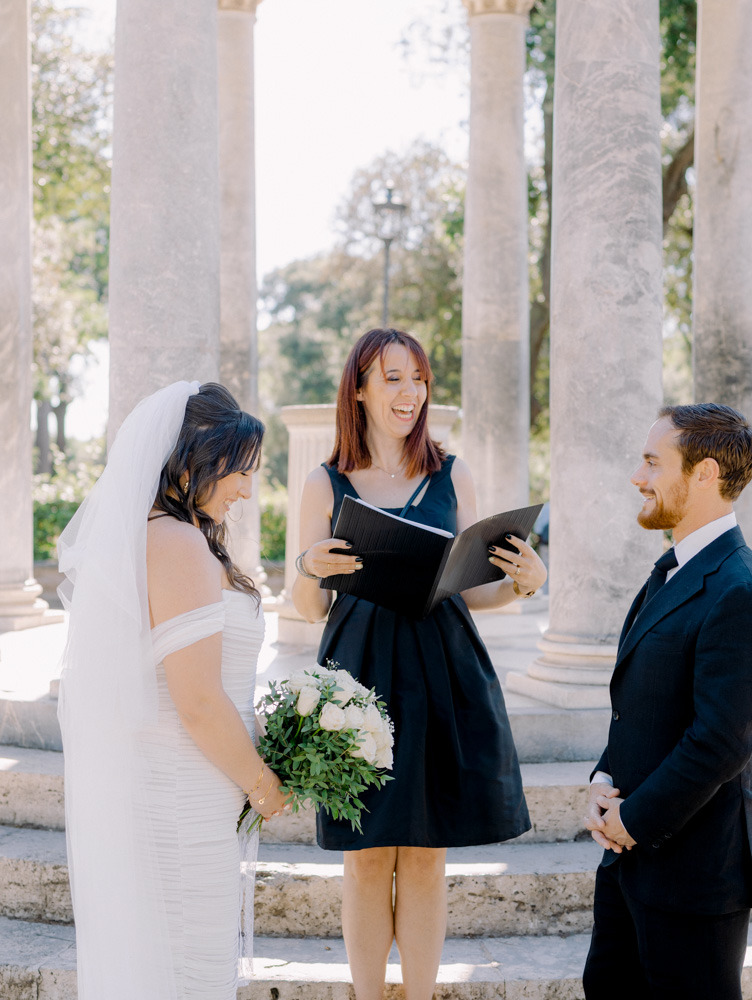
(519, 914)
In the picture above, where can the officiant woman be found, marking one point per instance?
(456, 776)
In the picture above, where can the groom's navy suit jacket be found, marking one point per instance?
(680, 738)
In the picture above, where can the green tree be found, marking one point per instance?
(318, 307)
(71, 134)
(445, 39)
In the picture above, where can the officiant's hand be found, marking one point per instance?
(525, 567)
(320, 560)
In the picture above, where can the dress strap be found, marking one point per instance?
(409, 503)
(183, 630)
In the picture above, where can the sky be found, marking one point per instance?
(333, 91)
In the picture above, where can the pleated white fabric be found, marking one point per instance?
(194, 806)
(108, 695)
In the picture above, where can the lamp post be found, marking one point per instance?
(390, 213)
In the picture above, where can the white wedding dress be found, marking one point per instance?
(194, 807)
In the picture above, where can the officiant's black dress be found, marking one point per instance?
(457, 779)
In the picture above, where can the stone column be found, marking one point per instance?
(722, 303)
(605, 337)
(238, 357)
(311, 430)
(164, 261)
(20, 606)
(495, 310)
(311, 439)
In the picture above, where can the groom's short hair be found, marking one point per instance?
(711, 430)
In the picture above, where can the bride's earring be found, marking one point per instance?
(186, 487)
(236, 519)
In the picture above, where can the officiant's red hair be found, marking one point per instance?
(350, 449)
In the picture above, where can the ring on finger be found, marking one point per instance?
(517, 571)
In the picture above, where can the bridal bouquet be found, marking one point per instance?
(328, 738)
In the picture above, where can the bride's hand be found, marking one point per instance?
(269, 800)
(319, 560)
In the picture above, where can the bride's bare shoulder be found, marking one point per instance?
(182, 571)
(176, 545)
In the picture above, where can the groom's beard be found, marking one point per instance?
(665, 516)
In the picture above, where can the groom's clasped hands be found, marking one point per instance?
(603, 820)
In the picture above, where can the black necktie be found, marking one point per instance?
(658, 577)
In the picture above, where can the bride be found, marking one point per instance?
(156, 703)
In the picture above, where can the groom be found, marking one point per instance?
(671, 797)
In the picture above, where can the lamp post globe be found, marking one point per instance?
(390, 214)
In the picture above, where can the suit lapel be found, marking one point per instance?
(632, 613)
(680, 588)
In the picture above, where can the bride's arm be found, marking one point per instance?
(184, 575)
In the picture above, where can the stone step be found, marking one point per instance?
(504, 889)
(31, 666)
(31, 794)
(31, 788)
(541, 732)
(38, 961)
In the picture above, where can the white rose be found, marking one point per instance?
(346, 683)
(308, 699)
(374, 720)
(354, 718)
(332, 718)
(299, 680)
(384, 740)
(365, 748)
(384, 758)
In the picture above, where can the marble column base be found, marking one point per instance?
(21, 607)
(292, 628)
(568, 674)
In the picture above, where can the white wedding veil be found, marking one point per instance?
(108, 693)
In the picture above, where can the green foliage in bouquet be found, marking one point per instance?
(328, 739)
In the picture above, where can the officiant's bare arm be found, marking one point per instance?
(532, 573)
(183, 575)
(316, 544)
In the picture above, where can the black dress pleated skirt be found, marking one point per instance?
(456, 776)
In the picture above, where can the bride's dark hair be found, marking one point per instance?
(217, 438)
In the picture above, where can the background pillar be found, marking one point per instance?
(164, 262)
(495, 310)
(605, 337)
(238, 349)
(722, 297)
(20, 606)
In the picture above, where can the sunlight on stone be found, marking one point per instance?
(482, 868)
(462, 972)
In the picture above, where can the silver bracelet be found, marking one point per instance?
(301, 569)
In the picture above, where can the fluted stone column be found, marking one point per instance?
(238, 345)
(20, 606)
(311, 430)
(605, 337)
(311, 439)
(722, 300)
(164, 262)
(495, 309)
